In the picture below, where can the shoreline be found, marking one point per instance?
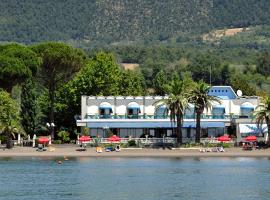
(65, 151)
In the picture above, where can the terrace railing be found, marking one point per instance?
(164, 140)
(158, 116)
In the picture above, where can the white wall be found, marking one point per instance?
(231, 106)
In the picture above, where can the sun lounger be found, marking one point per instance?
(247, 148)
(215, 149)
(117, 148)
(99, 150)
(221, 149)
(109, 149)
(40, 148)
(202, 150)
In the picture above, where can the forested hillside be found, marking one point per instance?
(107, 21)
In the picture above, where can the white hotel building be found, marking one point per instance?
(128, 116)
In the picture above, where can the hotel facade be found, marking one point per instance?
(135, 117)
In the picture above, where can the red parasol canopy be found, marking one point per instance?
(43, 140)
(251, 138)
(224, 138)
(114, 138)
(84, 138)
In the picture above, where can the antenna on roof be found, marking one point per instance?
(239, 93)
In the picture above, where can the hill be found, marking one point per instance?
(100, 22)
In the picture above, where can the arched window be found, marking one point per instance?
(105, 110)
(133, 110)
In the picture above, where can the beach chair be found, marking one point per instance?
(109, 149)
(118, 148)
(221, 149)
(202, 150)
(40, 148)
(247, 147)
(98, 149)
(215, 149)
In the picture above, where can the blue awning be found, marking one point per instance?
(218, 106)
(133, 107)
(105, 107)
(247, 106)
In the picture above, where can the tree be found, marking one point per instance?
(100, 76)
(132, 83)
(177, 102)
(208, 68)
(201, 99)
(29, 112)
(264, 64)
(59, 64)
(9, 118)
(17, 63)
(225, 75)
(106, 74)
(262, 114)
(239, 82)
(159, 83)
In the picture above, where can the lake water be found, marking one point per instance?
(135, 178)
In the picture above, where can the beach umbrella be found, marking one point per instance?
(114, 138)
(84, 138)
(251, 138)
(224, 138)
(43, 140)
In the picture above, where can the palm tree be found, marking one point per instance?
(201, 100)
(176, 102)
(262, 114)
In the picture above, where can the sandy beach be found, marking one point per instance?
(71, 151)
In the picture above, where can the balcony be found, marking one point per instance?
(139, 116)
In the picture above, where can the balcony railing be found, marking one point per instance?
(162, 116)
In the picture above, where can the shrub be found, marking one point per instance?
(96, 141)
(124, 145)
(107, 145)
(132, 143)
(224, 145)
(72, 141)
(64, 135)
(57, 142)
(3, 139)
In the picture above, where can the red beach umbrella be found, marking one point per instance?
(84, 138)
(43, 140)
(224, 138)
(251, 138)
(114, 138)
